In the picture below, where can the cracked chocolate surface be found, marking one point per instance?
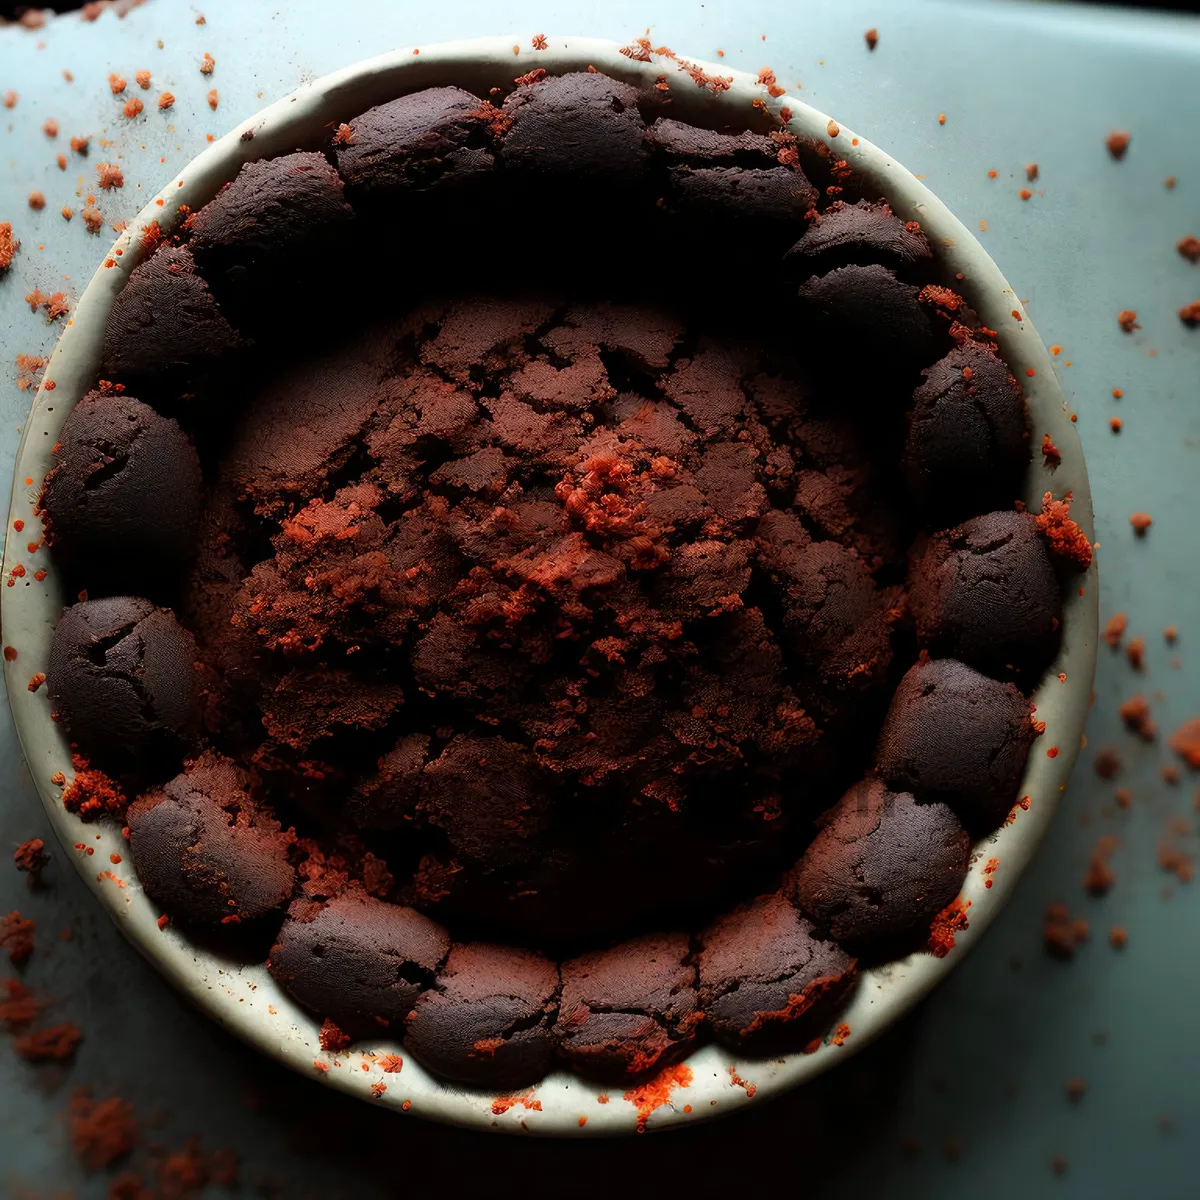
(124, 491)
(488, 1020)
(860, 234)
(767, 981)
(205, 851)
(880, 868)
(985, 592)
(121, 676)
(358, 960)
(630, 1009)
(955, 735)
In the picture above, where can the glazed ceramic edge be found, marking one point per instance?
(244, 999)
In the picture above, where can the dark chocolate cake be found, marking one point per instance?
(509, 639)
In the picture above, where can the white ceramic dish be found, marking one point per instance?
(244, 998)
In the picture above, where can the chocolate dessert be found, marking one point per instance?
(514, 633)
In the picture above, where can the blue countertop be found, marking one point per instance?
(968, 1097)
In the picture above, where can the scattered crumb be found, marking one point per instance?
(133, 106)
(31, 857)
(102, 1132)
(56, 305)
(1141, 522)
(1108, 763)
(1169, 183)
(1169, 775)
(1127, 319)
(1117, 143)
(109, 175)
(1061, 935)
(1058, 1164)
(1031, 171)
(212, 99)
(16, 936)
(80, 144)
(872, 38)
(1076, 1088)
(9, 245)
(166, 100)
(207, 62)
(1185, 741)
(1136, 652)
(55, 1043)
(1170, 635)
(1189, 314)
(1100, 875)
(1115, 424)
(37, 201)
(1065, 538)
(1118, 937)
(1135, 714)
(1189, 247)
(143, 79)
(92, 218)
(941, 118)
(116, 83)
(10, 99)
(50, 127)
(1025, 193)
(1124, 797)
(1050, 452)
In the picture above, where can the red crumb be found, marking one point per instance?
(212, 99)
(1169, 182)
(61, 159)
(1123, 797)
(1171, 857)
(92, 218)
(166, 100)
(1066, 539)
(378, 1088)
(1170, 635)
(343, 136)
(943, 297)
(1060, 934)
(872, 38)
(1031, 171)
(941, 118)
(539, 42)
(833, 128)
(116, 83)
(163, 921)
(31, 856)
(67, 212)
(526, 1100)
(737, 1081)
(16, 936)
(1141, 522)
(1115, 424)
(320, 1066)
(93, 794)
(1189, 247)
(1025, 193)
(530, 77)
(1189, 314)
(102, 1132)
(582, 1122)
(656, 1092)
(334, 1038)
(1169, 775)
(1135, 713)
(109, 175)
(9, 245)
(1127, 319)
(207, 62)
(1100, 875)
(37, 201)
(1108, 763)
(55, 304)
(1052, 752)
(18, 1005)
(1185, 741)
(1115, 629)
(1075, 1088)
(1136, 652)
(1117, 143)
(1118, 937)
(951, 920)
(993, 173)
(143, 79)
(1050, 452)
(133, 106)
(10, 99)
(390, 1064)
(50, 127)
(55, 1043)
(152, 238)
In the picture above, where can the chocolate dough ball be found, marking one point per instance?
(580, 129)
(968, 439)
(164, 321)
(431, 142)
(957, 736)
(677, 142)
(860, 235)
(121, 676)
(744, 203)
(123, 498)
(868, 310)
(489, 797)
(630, 1009)
(359, 961)
(275, 208)
(768, 983)
(880, 868)
(488, 1020)
(985, 593)
(205, 851)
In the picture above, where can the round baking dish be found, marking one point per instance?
(244, 998)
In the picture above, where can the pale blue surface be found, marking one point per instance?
(987, 1058)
